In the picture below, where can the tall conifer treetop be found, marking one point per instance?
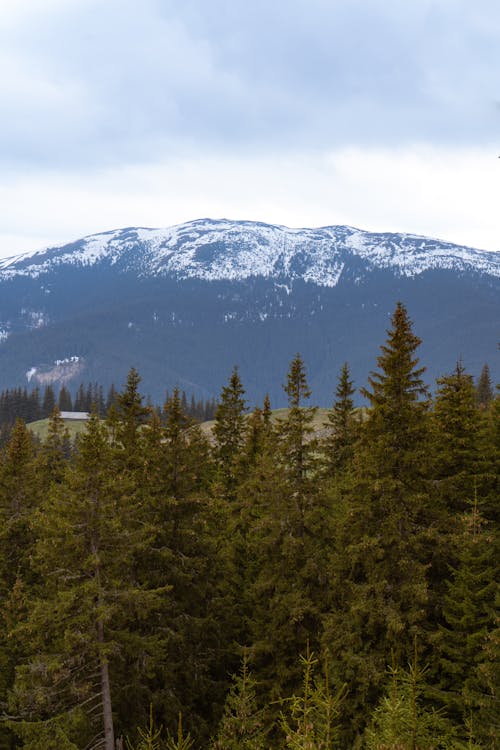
(398, 395)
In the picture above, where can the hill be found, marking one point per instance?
(184, 304)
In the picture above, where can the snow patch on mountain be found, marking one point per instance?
(215, 250)
(60, 372)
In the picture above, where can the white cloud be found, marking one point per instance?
(378, 113)
(447, 194)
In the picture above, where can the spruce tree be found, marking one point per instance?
(242, 726)
(402, 719)
(469, 619)
(175, 477)
(484, 389)
(128, 419)
(229, 432)
(49, 401)
(296, 430)
(379, 591)
(55, 450)
(311, 718)
(456, 440)
(84, 615)
(64, 402)
(289, 535)
(338, 446)
(18, 500)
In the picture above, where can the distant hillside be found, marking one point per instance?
(183, 305)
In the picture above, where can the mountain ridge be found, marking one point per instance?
(233, 250)
(185, 304)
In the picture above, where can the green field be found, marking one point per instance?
(318, 424)
(41, 426)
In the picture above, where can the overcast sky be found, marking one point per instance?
(381, 114)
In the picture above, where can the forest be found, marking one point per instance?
(263, 585)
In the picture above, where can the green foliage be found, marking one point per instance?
(469, 617)
(140, 561)
(484, 389)
(289, 539)
(379, 590)
(181, 741)
(229, 432)
(81, 612)
(242, 726)
(401, 721)
(343, 427)
(149, 738)
(456, 440)
(311, 719)
(58, 733)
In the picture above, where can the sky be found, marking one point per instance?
(380, 114)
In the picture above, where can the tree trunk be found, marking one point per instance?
(107, 711)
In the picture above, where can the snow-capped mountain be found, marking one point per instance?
(185, 304)
(230, 250)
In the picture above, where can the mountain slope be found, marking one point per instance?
(186, 303)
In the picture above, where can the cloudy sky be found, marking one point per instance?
(382, 114)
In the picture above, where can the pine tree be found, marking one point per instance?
(288, 536)
(84, 616)
(484, 390)
(296, 429)
(469, 618)
(403, 721)
(64, 402)
(311, 721)
(242, 726)
(338, 446)
(175, 476)
(379, 592)
(18, 499)
(49, 401)
(128, 418)
(229, 431)
(456, 440)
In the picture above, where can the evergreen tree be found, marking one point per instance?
(111, 398)
(379, 592)
(129, 417)
(289, 535)
(64, 402)
(469, 615)
(49, 401)
(403, 721)
(242, 726)
(175, 476)
(18, 498)
(296, 430)
(83, 615)
(80, 399)
(456, 440)
(34, 411)
(342, 424)
(229, 431)
(484, 390)
(55, 449)
(312, 719)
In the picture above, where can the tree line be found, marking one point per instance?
(33, 404)
(265, 585)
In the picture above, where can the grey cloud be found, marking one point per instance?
(111, 82)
